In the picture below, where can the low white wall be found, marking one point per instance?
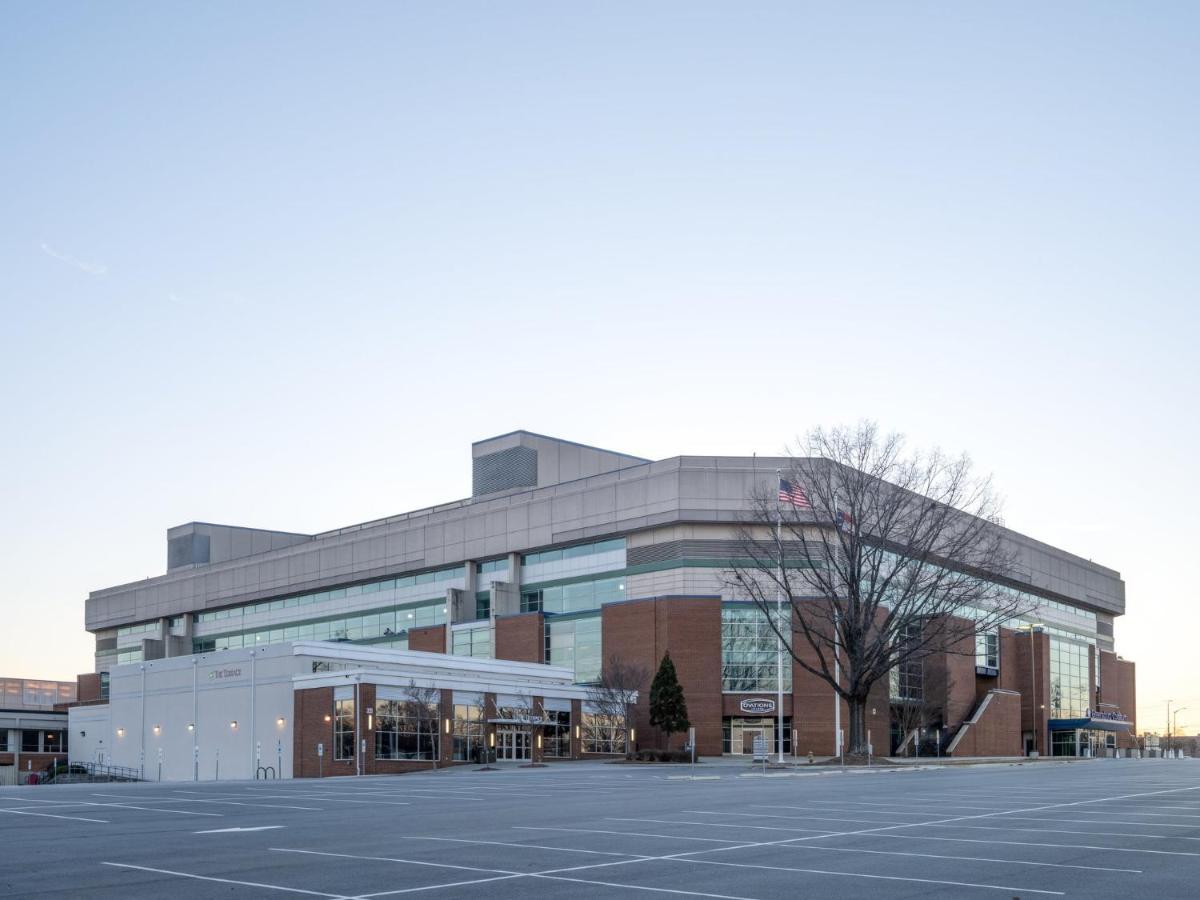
(152, 704)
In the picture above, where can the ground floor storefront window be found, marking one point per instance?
(469, 731)
(556, 734)
(1082, 742)
(343, 729)
(406, 730)
(603, 734)
(740, 732)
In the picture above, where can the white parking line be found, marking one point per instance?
(713, 812)
(852, 811)
(557, 874)
(524, 846)
(257, 884)
(968, 884)
(1008, 862)
(809, 847)
(1118, 834)
(1104, 822)
(411, 862)
(822, 831)
(673, 837)
(923, 837)
(27, 812)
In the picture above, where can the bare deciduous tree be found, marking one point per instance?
(616, 692)
(889, 543)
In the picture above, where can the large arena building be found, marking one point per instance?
(478, 625)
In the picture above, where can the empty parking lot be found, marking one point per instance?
(1103, 828)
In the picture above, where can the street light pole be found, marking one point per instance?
(779, 637)
(1169, 702)
(1175, 719)
(1035, 706)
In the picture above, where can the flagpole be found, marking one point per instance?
(778, 627)
(838, 749)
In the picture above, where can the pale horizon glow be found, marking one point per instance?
(278, 265)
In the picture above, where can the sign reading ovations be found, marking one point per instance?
(758, 706)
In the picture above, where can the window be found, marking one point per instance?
(406, 729)
(575, 643)
(483, 605)
(1069, 679)
(612, 546)
(103, 685)
(54, 741)
(603, 734)
(579, 596)
(343, 729)
(556, 734)
(386, 584)
(476, 642)
(907, 680)
(987, 651)
(31, 741)
(141, 628)
(492, 565)
(371, 625)
(468, 733)
(749, 658)
(129, 656)
(3, 740)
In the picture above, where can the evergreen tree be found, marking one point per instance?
(668, 709)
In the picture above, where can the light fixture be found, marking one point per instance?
(492, 739)
(280, 721)
(328, 718)
(157, 729)
(447, 726)
(233, 724)
(120, 732)
(576, 732)
(191, 726)
(633, 734)
(370, 721)
(539, 742)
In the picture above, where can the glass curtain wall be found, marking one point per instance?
(748, 651)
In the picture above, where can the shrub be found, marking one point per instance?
(663, 756)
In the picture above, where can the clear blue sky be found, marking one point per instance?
(277, 264)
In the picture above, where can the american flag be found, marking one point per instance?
(793, 494)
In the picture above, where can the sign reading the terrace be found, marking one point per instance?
(757, 706)
(225, 673)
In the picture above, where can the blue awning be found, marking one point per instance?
(1090, 724)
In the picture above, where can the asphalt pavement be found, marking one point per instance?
(1097, 829)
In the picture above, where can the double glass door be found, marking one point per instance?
(512, 743)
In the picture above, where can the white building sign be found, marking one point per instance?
(757, 706)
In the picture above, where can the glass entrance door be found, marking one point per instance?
(512, 744)
(744, 731)
(748, 736)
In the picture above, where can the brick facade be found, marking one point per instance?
(521, 637)
(1118, 693)
(996, 731)
(430, 638)
(689, 628)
